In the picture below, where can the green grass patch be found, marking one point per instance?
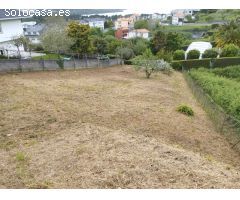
(188, 28)
(20, 157)
(47, 57)
(186, 110)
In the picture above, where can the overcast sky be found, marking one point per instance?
(127, 4)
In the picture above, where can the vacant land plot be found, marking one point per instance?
(108, 128)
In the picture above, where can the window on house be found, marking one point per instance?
(0, 28)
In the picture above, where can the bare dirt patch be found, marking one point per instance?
(108, 128)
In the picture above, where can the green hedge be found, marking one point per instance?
(196, 63)
(225, 92)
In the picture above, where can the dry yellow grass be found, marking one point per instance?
(108, 128)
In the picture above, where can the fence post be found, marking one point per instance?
(98, 64)
(19, 65)
(74, 63)
(43, 65)
(224, 119)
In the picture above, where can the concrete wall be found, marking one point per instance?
(41, 65)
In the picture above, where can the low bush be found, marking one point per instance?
(128, 62)
(125, 53)
(3, 57)
(151, 64)
(164, 55)
(186, 110)
(37, 47)
(179, 55)
(60, 63)
(193, 54)
(210, 53)
(230, 50)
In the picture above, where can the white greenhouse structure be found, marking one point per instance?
(200, 46)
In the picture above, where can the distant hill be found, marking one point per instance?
(213, 15)
(76, 14)
(93, 11)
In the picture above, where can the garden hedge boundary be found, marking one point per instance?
(207, 63)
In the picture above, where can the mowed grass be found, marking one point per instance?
(108, 128)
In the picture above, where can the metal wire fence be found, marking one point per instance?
(224, 123)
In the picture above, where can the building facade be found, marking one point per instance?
(94, 22)
(10, 27)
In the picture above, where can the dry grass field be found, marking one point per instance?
(108, 128)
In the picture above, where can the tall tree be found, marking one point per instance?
(228, 34)
(80, 33)
(18, 41)
(141, 24)
(158, 41)
(55, 39)
(174, 41)
(99, 45)
(108, 24)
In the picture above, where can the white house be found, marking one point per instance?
(94, 22)
(33, 32)
(159, 16)
(143, 33)
(179, 15)
(10, 26)
(200, 46)
(126, 22)
(177, 20)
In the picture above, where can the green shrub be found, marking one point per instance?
(193, 54)
(128, 62)
(177, 65)
(37, 47)
(151, 66)
(230, 50)
(186, 110)
(179, 55)
(210, 53)
(60, 63)
(125, 53)
(3, 57)
(164, 55)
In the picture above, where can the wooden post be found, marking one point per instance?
(74, 63)
(43, 64)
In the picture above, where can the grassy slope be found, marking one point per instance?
(108, 128)
(220, 15)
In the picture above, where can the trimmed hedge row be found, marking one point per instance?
(206, 63)
(225, 92)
